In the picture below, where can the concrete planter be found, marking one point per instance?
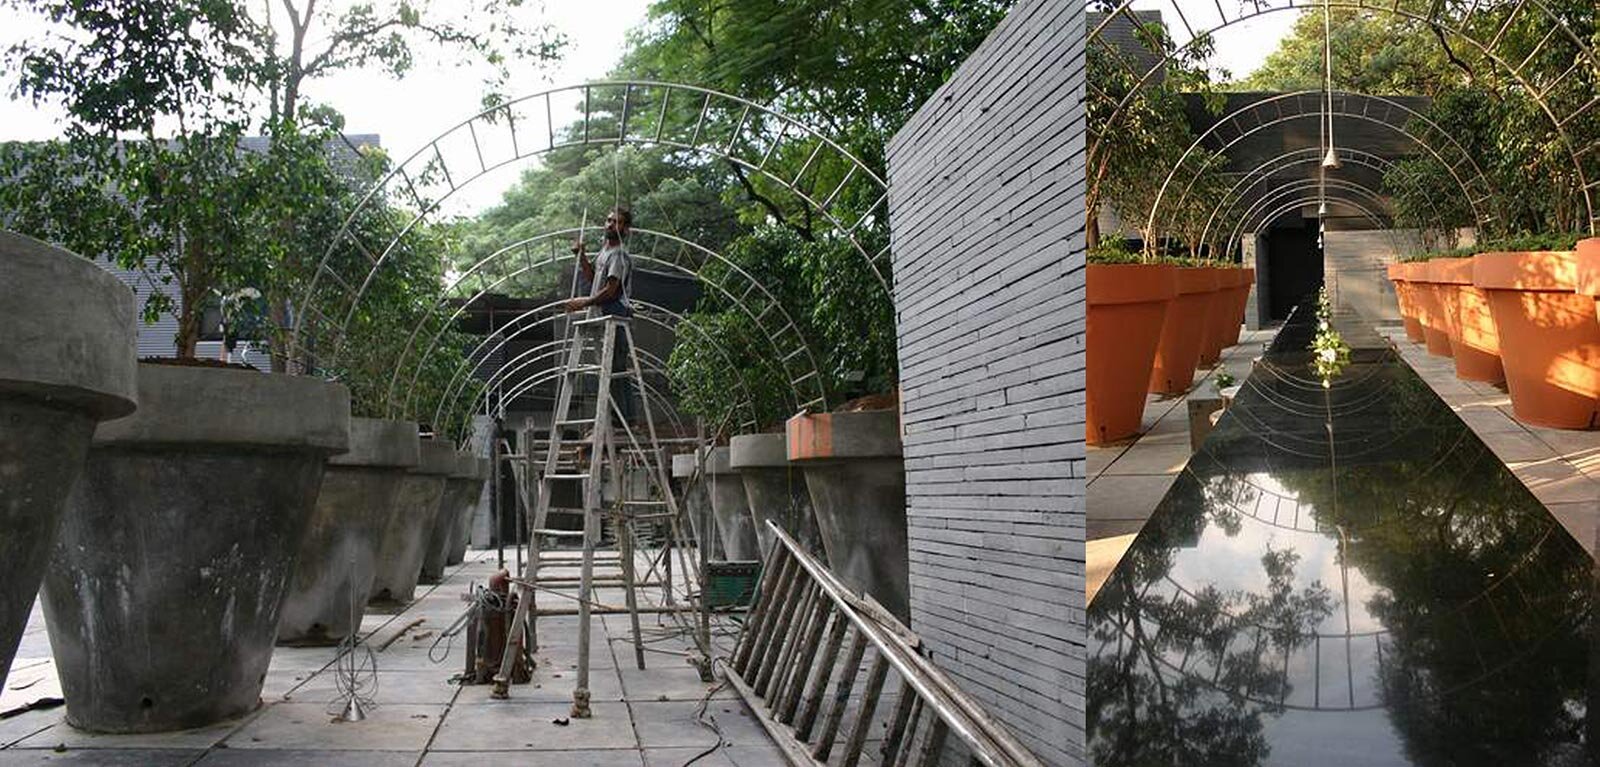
(731, 508)
(340, 552)
(462, 482)
(462, 533)
(163, 592)
(775, 490)
(66, 363)
(405, 541)
(696, 499)
(857, 480)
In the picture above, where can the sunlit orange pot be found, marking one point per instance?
(1127, 306)
(1240, 301)
(1402, 297)
(1182, 331)
(1430, 310)
(1474, 344)
(1588, 252)
(1549, 339)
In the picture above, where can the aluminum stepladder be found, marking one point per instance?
(599, 457)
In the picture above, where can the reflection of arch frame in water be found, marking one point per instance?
(795, 345)
(1588, 176)
(492, 139)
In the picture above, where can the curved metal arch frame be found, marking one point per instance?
(1587, 187)
(459, 382)
(652, 365)
(1161, 195)
(423, 162)
(781, 357)
(1358, 191)
(1299, 157)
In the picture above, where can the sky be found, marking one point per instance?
(409, 112)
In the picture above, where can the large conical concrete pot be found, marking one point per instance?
(775, 489)
(163, 592)
(731, 508)
(461, 482)
(1430, 309)
(695, 497)
(66, 364)
(462, 533)
(405, 541)
(1398, 274)
(333, 574)
(857, 479)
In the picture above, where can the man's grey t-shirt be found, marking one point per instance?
(613, 262)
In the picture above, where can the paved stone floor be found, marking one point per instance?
(641, 718)
(1560, 467)
(1128, 479)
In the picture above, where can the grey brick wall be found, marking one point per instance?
(986, 207)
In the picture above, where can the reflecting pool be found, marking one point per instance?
(1343, 575)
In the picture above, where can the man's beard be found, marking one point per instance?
(612, 235)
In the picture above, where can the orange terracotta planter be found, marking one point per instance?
(1549, 339)
(1222, 317)
(1588, 254)
(1430, 310)
(1474, 343)
(1182, 331)
(1402, 297)
(1241, 301)
(1127, 306)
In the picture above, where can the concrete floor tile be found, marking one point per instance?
(1553, 481)
(676, 757)
(420, 687)
(549, 686)
(581, 758)
(1486, 419)
(1516, 447)
(1582, 520)
(63, 734)
(1097, 459)
(241, 757)
(24, 726)
(388, 727)
(515, 726)
(1124, 498)
(1145, 458)
(1099, 530)
(97, 758)
(666, 681)
(674, 724)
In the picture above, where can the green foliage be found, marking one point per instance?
(1373, 52)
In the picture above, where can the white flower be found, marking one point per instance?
(1327, 355)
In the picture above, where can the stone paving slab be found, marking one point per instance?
(423, 720)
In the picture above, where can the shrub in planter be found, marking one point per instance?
(338, 558)
(163, 594)
(1549, 339)
(67, 363)
(1127, 305)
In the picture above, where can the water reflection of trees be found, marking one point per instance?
(1146, 707)
(1484, 600)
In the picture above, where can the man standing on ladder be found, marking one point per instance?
(608, 281)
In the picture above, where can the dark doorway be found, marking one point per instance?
(1294, 266)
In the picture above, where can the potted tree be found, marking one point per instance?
(67, 364)
(1127, 304)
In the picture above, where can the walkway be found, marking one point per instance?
(641, 718)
